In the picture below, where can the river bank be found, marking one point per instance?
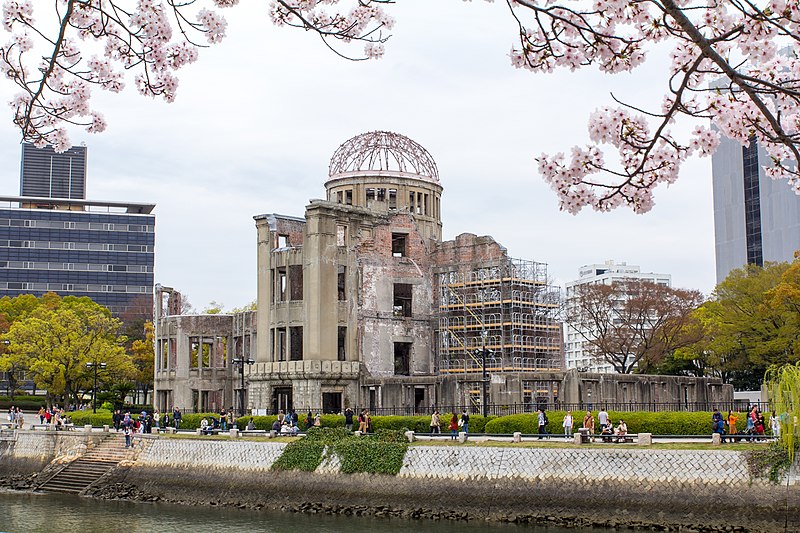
(573, 486)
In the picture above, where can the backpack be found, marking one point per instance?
(546, 421)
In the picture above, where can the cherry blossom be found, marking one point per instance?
(734, 71)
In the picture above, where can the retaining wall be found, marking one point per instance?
(709, 489)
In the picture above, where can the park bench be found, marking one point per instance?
(6, 425)
(40, 426)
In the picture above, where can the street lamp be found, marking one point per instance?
(241, 362)
(94, 366)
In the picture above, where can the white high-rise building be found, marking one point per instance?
(577, 350)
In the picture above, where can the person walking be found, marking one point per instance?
(567, 425)
(176, 417)
(602, 417)
(435, 422)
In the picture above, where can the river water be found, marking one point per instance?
(45, 513)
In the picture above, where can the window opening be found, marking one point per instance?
(341, 283)
(341, 235)
(283, 241)
(296, 343)
(402, 299)
(341, 351)
(348, 197)
(296, 282)
(392, 198)
(398, 244)
(280, 290)
(281, 349)
(402, 351)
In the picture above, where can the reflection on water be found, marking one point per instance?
(33, 513)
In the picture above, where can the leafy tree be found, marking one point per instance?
(56, 340)
(143, 359)
(750, 323)
(726, 67)
(632, 324)
(214, 308)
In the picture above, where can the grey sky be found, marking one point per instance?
(258, 117)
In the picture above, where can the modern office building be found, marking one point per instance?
(48, 174)
(72, 246)
(756, 218)
(577, 336)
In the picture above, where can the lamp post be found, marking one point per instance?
(241, 362)
(94, 366)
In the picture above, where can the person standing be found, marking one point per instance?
(465, 422)
(732, 418)
(602, 417)
(309, 421)
(542, 420)
(362, 421)
(435, 423)
(567, 425)
(775, 425)
(41, 415)
(223, 419)
(588, 423)
(454, 427)
(348, 419)
(176, 417)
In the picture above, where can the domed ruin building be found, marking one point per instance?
(362, 305)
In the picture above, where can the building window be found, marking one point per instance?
(370, 194)
(402, 353)
(339, 197)
(381, 195)
(392, 198)
(399, 244)
(296, 282)
(281, 348)
(341, 235)
(348, 197)
(341, 283)
(341, 350)
(283, 241)
(752, 204)
(402, 299)
(280, 289)
(296, 343)
(200, 352)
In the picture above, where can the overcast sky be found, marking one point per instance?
(258, 117)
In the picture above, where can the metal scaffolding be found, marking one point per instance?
(509, 309)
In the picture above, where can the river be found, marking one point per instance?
(45, 513)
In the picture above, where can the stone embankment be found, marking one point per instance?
(572, 486)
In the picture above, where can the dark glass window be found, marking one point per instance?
(752, 204)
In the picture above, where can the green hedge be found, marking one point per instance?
(82, 418)
(379, 453)
(661, 423)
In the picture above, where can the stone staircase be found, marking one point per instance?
(91, 466)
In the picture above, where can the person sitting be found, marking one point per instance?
(204, 426)
(276, 426)
(286, 429)
(607, 432)
(251, 426)
(621, 431)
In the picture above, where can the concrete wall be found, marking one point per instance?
(626, 486)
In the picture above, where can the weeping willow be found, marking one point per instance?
(783, 384)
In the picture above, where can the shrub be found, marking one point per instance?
(82, 418)
(658, 423)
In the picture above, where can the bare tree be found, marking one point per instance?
(631, 324)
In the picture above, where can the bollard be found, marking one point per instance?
(716, 439)
(87, 428)
(462, 437)
(105, 428)
(198, 431)
(171, 430)
(644, 439)
(357, 433)
(517, 436)
(234, 433)
(410, 436)
(577, 438)
(273, 433)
